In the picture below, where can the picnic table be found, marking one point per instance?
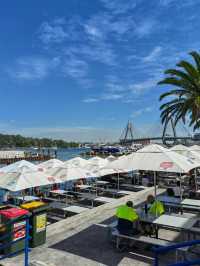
(168, 199)
(58, 205)
(191, 202)
(104, 199)
(131, 187)
(84, 187)
(74, 209)
(27, 198)
(101, 182)
(58, 191)
(174, 221)
(116, 192)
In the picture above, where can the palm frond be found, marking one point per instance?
(196, 58)
(189, 68)
(179, 93)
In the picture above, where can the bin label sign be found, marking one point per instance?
(41, 222)
(19, 230)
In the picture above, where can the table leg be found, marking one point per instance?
(156, 228)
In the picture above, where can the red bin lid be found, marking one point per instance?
(13, 212)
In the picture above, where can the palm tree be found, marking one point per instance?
(185, 97)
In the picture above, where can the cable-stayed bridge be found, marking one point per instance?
(166, 133)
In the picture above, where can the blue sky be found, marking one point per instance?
(80, 69)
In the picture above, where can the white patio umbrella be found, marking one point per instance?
(19, 166)
(68, 173)
(159, 159)
(98, 161)
(118, 166)
(49, 164)
(186, 151)
(77, 161)
(111, 158)
(189, 153)
(122, 164)
(98, 167)
(156, 158)
(16, 181)
(195, 148)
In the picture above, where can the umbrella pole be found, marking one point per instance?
(181, 195)
(195, 171)
(133, 178)
(96, 188)
(155, 187)
(118, 181)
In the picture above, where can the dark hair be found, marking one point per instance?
(150, 198)
(129, 203)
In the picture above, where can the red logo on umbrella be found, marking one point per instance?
(51, 178)
(166, 165)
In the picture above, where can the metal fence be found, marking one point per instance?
(163, 250)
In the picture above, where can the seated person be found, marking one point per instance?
(78, 183)
(127, 217)
(155, 207)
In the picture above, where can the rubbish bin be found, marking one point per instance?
(13, 223)
(38, 221)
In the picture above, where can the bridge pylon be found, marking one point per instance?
(165, 137)
(127, 135)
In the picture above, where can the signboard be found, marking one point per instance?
(41, 222)
(166, 165)
(19, 230)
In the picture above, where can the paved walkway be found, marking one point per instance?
(77, 241)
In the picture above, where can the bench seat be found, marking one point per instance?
(143, 239)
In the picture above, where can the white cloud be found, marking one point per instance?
(114, 87)
(78, 70)
(53, 32)
(145, 27)
(30, 68)
(106, 96)
(119, 6)
(179, 4)
(143, 86)
(111, 96)
(75, 68)
(101, 26)
(93, 32)
(139, 112)
(153, 55)
(90, 100)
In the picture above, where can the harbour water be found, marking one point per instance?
(69, 153)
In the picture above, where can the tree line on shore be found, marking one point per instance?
(20, 141)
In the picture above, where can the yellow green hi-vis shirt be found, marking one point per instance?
(157, 208)
(127, 213)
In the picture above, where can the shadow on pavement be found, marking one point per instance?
(92, 243)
